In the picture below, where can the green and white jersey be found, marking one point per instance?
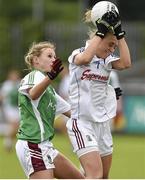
(37, 116)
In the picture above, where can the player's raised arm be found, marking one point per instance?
(125, 60)
(36, 91)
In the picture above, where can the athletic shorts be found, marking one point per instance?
(35, 157)
(87, 136)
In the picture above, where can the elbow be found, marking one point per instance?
(33, 96)
(127, 65)
(124, 66)
(86, 61)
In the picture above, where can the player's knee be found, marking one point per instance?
(96, 174)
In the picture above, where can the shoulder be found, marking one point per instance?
(74, 53)
(34, 73)
(34, 77)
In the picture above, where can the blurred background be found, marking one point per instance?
(61, 21)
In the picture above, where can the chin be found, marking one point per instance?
(104, 57)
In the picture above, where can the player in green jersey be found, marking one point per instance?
(9, 107)
(38, 105)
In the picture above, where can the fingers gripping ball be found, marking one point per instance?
(102, 26)
(118, 28)
(114, 20)
(111, 17)
(110, 21)
(56, 69)
(100, 8)
(107, 23)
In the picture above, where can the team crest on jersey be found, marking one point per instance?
(50, 159)
(51, 105)
(88, 137)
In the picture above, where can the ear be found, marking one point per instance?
(35, 60)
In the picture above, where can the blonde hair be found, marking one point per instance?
(92, 27)
(36, 50)
(87, 17)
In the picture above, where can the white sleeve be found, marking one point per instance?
(62, 106)
(30, 80)
(114, 79)
(109, 60)
(72, 56)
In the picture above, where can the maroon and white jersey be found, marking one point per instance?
(91, 97)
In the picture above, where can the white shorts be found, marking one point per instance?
(35, 157)
(87, 136)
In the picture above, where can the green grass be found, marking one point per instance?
(9, 165)
(128, 158)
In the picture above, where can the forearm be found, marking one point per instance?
(124, 53)
(89, 53)
(125, 61)
(38, 90)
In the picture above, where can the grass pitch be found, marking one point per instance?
(128, 158)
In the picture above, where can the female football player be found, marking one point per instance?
(9, 97)
(93, 101)
(38, 104)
